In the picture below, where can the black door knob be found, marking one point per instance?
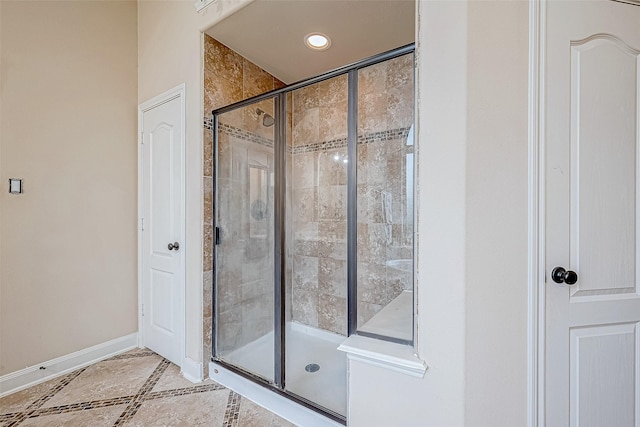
(172, 246)
(560, 275)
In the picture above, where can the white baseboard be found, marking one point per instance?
(280, 405)
(192, 370)
(27, 377)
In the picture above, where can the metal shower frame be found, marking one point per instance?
(279, 145)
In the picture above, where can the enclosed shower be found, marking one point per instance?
(313, 226)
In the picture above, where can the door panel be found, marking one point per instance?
(163, 268)
(160, 289)
(591, 380)
(604, 159)
(244, 255)
(591, 140)
(160, 149)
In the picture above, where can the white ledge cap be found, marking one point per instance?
(384, 354)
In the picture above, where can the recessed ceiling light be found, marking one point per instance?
(317, 41)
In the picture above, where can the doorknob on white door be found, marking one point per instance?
(174, 245)
(560, 275)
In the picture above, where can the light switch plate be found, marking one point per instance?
(15, 186)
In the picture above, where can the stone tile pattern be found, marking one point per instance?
(86, 410)
(229, 78)
(385, 207)
(232, 413)
(315, 265)
(319, 194)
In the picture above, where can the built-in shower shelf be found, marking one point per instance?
(391, 321)
(394, 320)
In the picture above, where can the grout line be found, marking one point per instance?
(63, 383)
(137, 400)
(131, 356)
(395, 134)
(83, 406)
(33, 407)
(94, 404)
(133, 402)
(233, 410)
(183, 391)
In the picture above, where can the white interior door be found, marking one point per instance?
(163, 228)
(592, 139)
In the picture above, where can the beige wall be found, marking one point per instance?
(68, 128)
(496, 222)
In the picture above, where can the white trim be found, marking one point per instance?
(280, 405)
(192, 370)
(176, 92)
(536, 227)
(384, 354)
(27, 377)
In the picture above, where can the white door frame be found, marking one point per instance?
(176, 92)
(536, 225)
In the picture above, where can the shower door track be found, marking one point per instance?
(287, 394)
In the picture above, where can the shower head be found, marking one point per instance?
(267, 120)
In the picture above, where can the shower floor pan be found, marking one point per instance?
(315, 369)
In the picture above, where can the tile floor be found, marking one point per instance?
(138, 388)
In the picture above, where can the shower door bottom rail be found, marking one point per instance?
(291, 396)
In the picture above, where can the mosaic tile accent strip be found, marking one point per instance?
(183, 391)
(82, 406)
(7, 417)
(137, 400)
(367, 138)
(141, 353)
(245, 135)
(132, 402)
(233, 410)
(33, 407)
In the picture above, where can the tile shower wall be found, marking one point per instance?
(318, 194)
(385, 184)
(316, 191)
(228, 78)
(319, 205)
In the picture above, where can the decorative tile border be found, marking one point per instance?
(367, 138)
(32, 409)
(137, 400)
(245, 135)
(133, 402)
(232, 413)
(183, 391)
(82, 406)
(208, 123)
(140, 353)
(7, 417)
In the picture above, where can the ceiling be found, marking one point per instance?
(270, 33)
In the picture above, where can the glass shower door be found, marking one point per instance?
(317, 244)
(244, 239)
